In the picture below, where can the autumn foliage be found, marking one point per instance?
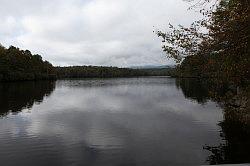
(216, 46)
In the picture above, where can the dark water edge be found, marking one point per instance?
(234, 99)
(123, 121)
(15, 96)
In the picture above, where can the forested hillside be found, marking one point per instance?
(17, 65)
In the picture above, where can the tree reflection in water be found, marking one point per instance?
(16, 96)
(235, 127)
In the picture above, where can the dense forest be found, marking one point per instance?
(214, 47)
(17, 65)
(21, 65)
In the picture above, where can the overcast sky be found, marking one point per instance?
(92, 32)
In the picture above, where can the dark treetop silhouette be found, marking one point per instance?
(16, 64)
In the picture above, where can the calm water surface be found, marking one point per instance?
(131, 121)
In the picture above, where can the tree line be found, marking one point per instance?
(20, 65)
(108, 72)
(96, 71)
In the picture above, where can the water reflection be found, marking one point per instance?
(133, 121)
(14, 97)
(194, 89)
(235, 127)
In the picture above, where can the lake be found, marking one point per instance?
(124, 121)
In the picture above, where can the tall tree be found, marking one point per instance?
(217, 45)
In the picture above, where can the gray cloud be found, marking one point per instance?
(97, 32)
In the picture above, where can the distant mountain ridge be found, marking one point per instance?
(152, 67)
